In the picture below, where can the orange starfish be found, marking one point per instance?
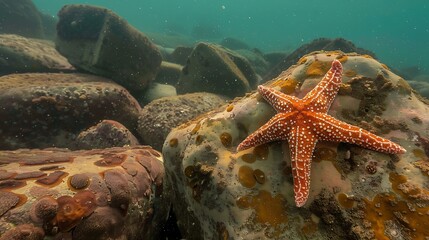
(302, 122)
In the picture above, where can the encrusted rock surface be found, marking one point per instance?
(20, 17)
(325, 44)
(355, 193)
(20, 55)
(113, 193)
(212, 68)
(106, 134)
(45, 110)
(99, 41)
(161, 115)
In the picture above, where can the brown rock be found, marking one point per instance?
(161, 115)
(107, 133)
(44, 110)
(212, 68)
(99, 41)
(120, 201)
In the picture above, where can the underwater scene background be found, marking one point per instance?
(397, 32)
(212, 119)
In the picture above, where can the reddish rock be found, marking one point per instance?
(120, 201)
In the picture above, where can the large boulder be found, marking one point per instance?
(325, 44)
(99, 41)
(161, 115)
(114, 193)
(21, 55)
(355, 193)
(212, 68)
(20, 17)
(45, 110)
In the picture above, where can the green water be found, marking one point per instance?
(397, 31)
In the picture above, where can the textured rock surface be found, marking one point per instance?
(113, 193)
(45, 110)
(107, 133)
(20, 17)
(157, 91)
(355, 193)
(169, 73)
(20, 55)
(211, 68)
(316, 45)
(161, 115)
(97, 40)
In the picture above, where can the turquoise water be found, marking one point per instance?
(397, 31)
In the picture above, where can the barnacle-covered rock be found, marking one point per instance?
(42, 110)
(355, 193)
(21, 55)
(114, 193)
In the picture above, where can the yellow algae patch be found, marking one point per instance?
(418, 153)
(386, 208)
(302, 60)
(259, 176)
(261, 151)
(367, 56)
(268, 210)
(342, 58)
(249, 158)
(318, 68)
(345, 201)
(196, 128)
(226, 139)
(287, 86)
(173, 142)
(406, 189)
(385, 66)
(245, 176)
(423, 165)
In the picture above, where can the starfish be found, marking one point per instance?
(303, 122)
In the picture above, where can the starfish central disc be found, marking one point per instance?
(302, 122)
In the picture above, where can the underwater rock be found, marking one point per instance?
(157, 91)
(316, 45)
(256, 59)
(21, 18)
(114, 193)
(181, 54)
(211, 68)
(355, 193)
(21, 55)
(168, 73)
(98, 41)
(44, 110)
(106, 134)
(161, 115)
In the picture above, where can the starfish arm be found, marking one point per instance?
(275, 129)
(320, 98)
(281, 102)
(330, 129)
(301, 144)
